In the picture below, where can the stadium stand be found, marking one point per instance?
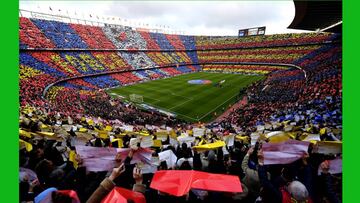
(76, 117)
(287, 48)
(261, 41)
(61, 34)
(270, 55)
(93, 36)
(244, 69)
(286, 89)
(31, 36)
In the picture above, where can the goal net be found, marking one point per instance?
(136, 98)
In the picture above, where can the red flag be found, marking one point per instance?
(174, 182)
(216, 182)
(179, 182)
(72, 194)
(121, 195)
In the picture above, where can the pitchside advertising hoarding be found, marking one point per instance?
(252, 31)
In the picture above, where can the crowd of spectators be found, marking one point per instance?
(126, 78)
(112, 60)
(265, 55)
(51, 161)
(162, 41)
(31, 36)
(93, 36)
(66, 96)
(38, 33)
(125, 38)
(246, 69)
(68, 63)
(61, 34)
(77, 113)
(102, 106)
(150, 42)
(271, 90)
(54, 66)
(176, 42)
(289, 89)
(32, 84)
(166, 58)
(208, 42)
(189, 43)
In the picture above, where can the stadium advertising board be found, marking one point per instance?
(252, 31)
(261, 31)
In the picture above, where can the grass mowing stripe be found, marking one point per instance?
(188, 101)
(215, 104)
(215, 75)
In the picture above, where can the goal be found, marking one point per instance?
(136, 98)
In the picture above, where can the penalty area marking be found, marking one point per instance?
(139, 95)
(164, 109)
(217, 107)
(168, 91)
(181, 103)
(189, 99)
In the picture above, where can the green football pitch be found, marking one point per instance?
(190, 102)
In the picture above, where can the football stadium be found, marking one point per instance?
(114, 111)
(187, 95)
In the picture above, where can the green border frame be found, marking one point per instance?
(10, 104)
(351, 98)
(9, 101)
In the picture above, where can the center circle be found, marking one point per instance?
(199, 82)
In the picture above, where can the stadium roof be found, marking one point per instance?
(318, 15)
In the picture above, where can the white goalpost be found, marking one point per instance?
(136, 98)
